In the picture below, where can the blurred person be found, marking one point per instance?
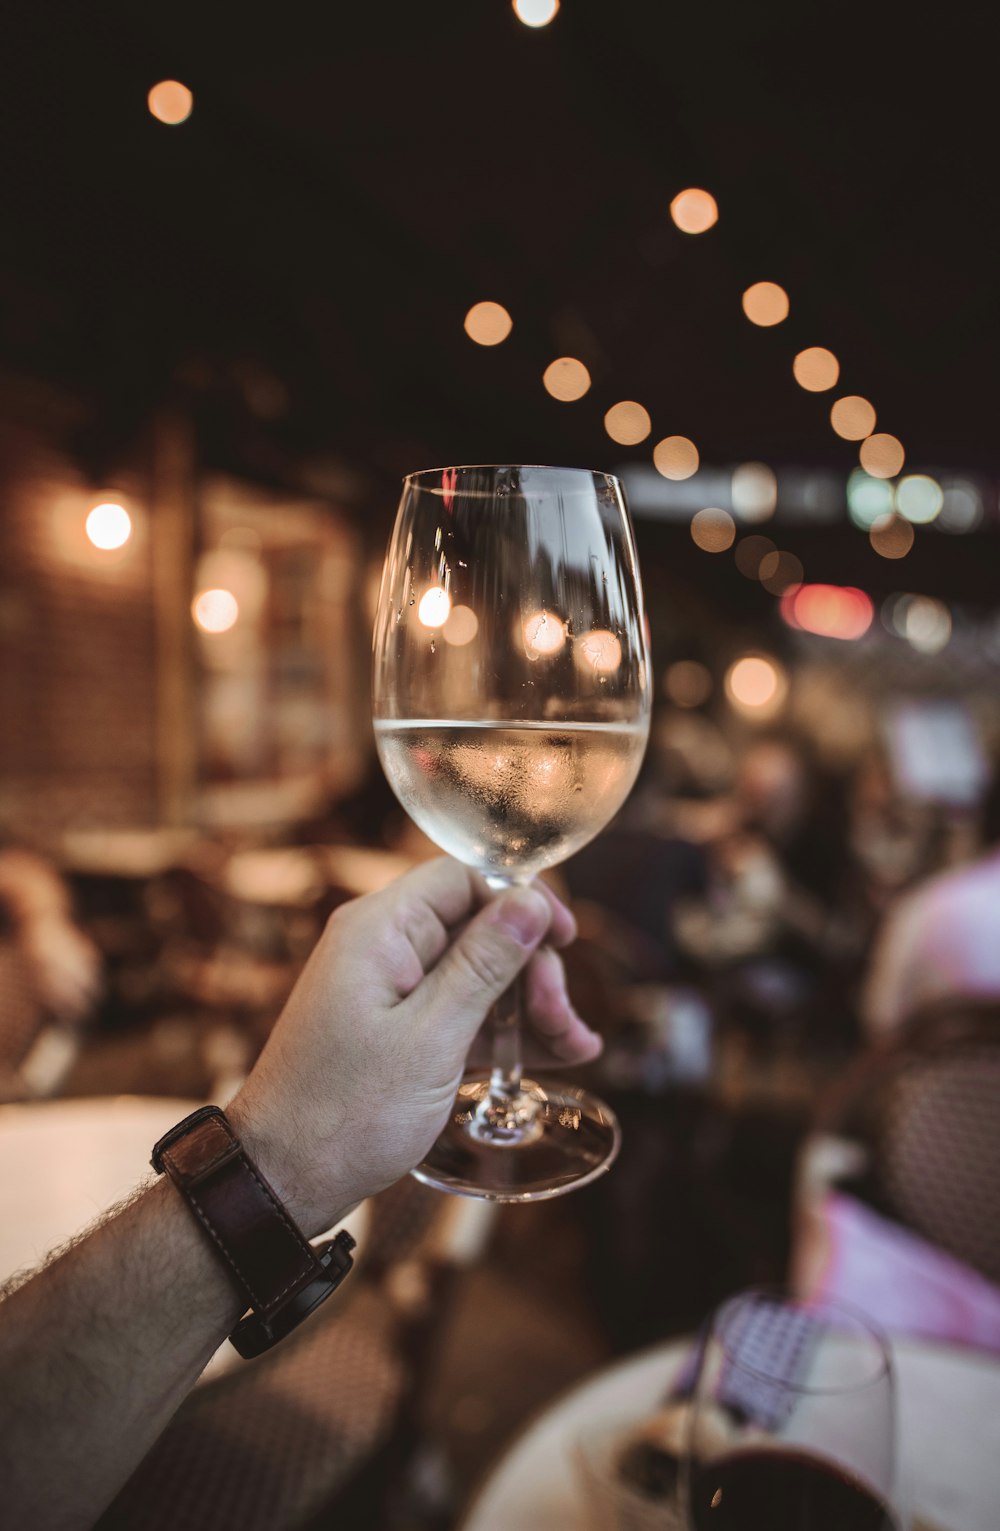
(99, 1348)
(36, 914)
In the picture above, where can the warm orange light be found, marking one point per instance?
(108, 526)
(816, 369)
(170, 102)
(215, 611)
(461, 626)
(882, 455)
(750, 554)
(435, 607)
(765, 303)
(488, 323)
(831, 611)
(852, 417)
(755, 683)
(544, 634)
(891, 536)
(688, 683)
(694, 210)
(627, 423)
(675, 457)
(566, 379)
(536, 13)
(777, 572)
(713, 530)
(598, 651)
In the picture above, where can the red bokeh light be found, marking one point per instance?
(831, 611)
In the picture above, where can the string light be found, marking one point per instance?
(544, 634)
(882, 455)
(962, 508)
(627, 423)
(816, 369)
(598, 651)
(566, 379)
(688, 683)
(831, 611)
(488, 323)
(919, 498)
(170, 102)
(461, 627)
(713, 530)
(694, 211)
(108, 526)
(435, 607)
(868, 499)
(852, 417)
(777, 572)
(750, 554)
(536, 13)
(676, 457)
(765, 303)
(215, 611)
(756, 685)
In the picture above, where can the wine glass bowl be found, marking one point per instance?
(792, 1424)
(511, 713)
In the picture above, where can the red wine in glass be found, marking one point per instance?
(775, 1489)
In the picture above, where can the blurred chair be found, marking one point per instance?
(912, 1134)
(326, 1422)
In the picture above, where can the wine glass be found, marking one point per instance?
(792, 1421)
(511, 713)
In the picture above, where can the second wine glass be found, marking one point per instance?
(511, 712)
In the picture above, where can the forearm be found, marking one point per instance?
(96, 1354)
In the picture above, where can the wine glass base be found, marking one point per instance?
(573, 1138)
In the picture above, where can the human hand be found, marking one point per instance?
(362, 1067)
(65, 967)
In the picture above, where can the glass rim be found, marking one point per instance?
(413, 480)
(882, 1360)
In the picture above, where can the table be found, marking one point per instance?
(64, 1162)
(949, 1440)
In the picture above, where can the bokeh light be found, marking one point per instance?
(675, 457)
(868, 499)
(919, 498)
(170, 102)
(627, 423)
(831, 611)
(536, 13)
(777, 572)
(215, 611)
(488, 323)
(108, 526)
(435, 607)
(750, 554)
(544, 634)
(924, 622)
(713, 530)
(816, 369)
(891, 536)
(687, 683)
(566, 379)
(694, 211)
(882, 455)
(756, 685)
(765, 303)
(754, 491)
(961, 508)
(852, 417)
(599, 652)
(461, 626)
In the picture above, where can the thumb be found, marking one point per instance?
(486, 958)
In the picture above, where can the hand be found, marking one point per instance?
(65, 966)
(362, 1067)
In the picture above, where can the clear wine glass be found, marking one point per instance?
(511, 713)
(792, 1424)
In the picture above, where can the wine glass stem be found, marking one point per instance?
(505, 1076)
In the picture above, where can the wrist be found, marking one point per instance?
(290, 1169)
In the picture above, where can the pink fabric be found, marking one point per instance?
(905, 1284)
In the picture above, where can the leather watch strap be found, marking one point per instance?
(280, 1274)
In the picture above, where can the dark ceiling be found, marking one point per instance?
(298, 257)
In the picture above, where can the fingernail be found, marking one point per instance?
(524, 914)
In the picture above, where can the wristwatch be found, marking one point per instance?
(280, 1274)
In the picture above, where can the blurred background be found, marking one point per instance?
(252, 271)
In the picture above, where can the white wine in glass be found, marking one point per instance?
(511, 713)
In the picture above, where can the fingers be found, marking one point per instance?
(562, 931)
(550, 1015)
(485, 958)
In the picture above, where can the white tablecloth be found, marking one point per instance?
(949, 1440)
